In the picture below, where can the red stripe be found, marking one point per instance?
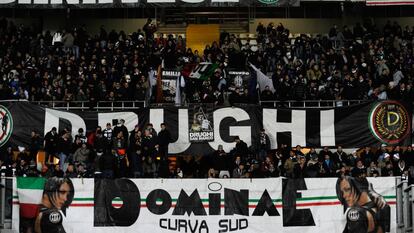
(318, 203)
(390, 3)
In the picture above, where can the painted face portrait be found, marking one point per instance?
(348, 193)
(59, 192)
(349, 190)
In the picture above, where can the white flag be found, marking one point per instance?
(263, 80)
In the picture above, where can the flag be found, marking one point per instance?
(180, 84)
(152, 81)
(204, 70)
(159, 98)
(262, 79)
(29, 193)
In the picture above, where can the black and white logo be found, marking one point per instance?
(353, 215)
(54, 217)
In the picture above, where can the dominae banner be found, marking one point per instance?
(197, 205)
(200, 129)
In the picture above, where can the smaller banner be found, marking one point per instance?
(169, 85)
(239, 79)
(201, 121)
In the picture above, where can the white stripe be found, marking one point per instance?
(327, 128)
(30, 196)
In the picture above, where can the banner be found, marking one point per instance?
(199, 205)
(142, 3)
(201, 129)
(367, 124)
(238, 79)
(169, 85)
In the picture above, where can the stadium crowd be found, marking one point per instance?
(360, 62)
(113, 152)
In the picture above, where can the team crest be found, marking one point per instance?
(389, 122)
(54, 217)
(353, 215)
(6, 125)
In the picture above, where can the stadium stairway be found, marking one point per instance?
(180, 29)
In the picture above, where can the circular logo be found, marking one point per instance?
(54, 217)
(215, 186)
(353, 215)
(6, 125)
(389, 122)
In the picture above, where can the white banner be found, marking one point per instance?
(209, 205)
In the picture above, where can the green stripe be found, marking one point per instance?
(83, 199)
(30, 183)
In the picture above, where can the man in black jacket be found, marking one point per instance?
(35, 145)
(264, 144)
(51, 140)
(164, 138)
(121, 127)
(241, 148)
(64, 148)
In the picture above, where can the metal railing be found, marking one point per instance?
(125, 105)
(311, 103)
(405, 205)
(97, 106)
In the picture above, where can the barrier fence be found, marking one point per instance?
(405, 205)
(125, 105)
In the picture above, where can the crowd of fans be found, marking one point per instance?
(113, 152)
(360, 62)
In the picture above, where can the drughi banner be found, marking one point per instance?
(142, 3)
(200, 129)
(200, 205)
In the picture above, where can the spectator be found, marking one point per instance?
(164, 139)
(329, 166)
(82, 155)
(36, 143)
(300, 169)
(290, 165)
(220, 160)
(50, 145)
(239, 171)
(108, 134)
(241, 148)
(264, 144)
(64, 150)
(121, 128)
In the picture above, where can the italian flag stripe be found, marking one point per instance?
(30, 183)
(29, 195)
